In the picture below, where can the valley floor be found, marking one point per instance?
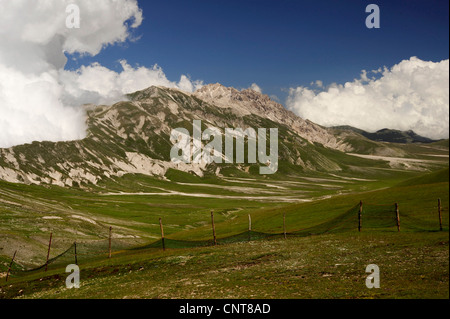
(323, 256)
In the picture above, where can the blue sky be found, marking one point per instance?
(279, 44)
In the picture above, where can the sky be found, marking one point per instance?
(281, 44)
(317, 58)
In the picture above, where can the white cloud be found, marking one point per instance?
(30, 109)
(255, 87)
(99, 85)
(317, 83)
(39, 100)
(412, 95)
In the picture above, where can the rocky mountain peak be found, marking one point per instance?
(133, 137)
(250, 102)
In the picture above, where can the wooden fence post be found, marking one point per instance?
(10, 265)
(397, 213)
(360, 216)
(110, 233)
(162, 234)
(249, 227)
(48, 252)
(75, 247)
(440, 214)
(213, 228)
(284, 225)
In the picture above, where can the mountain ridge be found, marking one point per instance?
(389, 135)
(133, 137)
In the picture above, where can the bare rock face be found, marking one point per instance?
(247, 102)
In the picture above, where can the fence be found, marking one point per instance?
(361, 217)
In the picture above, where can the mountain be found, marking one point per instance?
(248, 102)
(133, 137)
(389, 135)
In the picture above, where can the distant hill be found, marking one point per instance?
(388, 135)
(444, 143)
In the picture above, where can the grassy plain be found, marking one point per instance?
(414, 262)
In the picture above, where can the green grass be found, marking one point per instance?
(26, 205)
(413, 263)
(441, 176)
(328, 266)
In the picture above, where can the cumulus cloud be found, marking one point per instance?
(39, 100)
(255, 87)
(100, 85)
(30, 109)
(317, 83)
(412, 95)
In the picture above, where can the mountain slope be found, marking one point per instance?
(248, 102)
(134, 137)
(389, 135)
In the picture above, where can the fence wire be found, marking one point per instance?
(374, 217)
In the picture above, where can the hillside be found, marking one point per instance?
(121, 176)
(324, 256)
(133, 137)
(389, 135)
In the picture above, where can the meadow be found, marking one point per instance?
(323, 255)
